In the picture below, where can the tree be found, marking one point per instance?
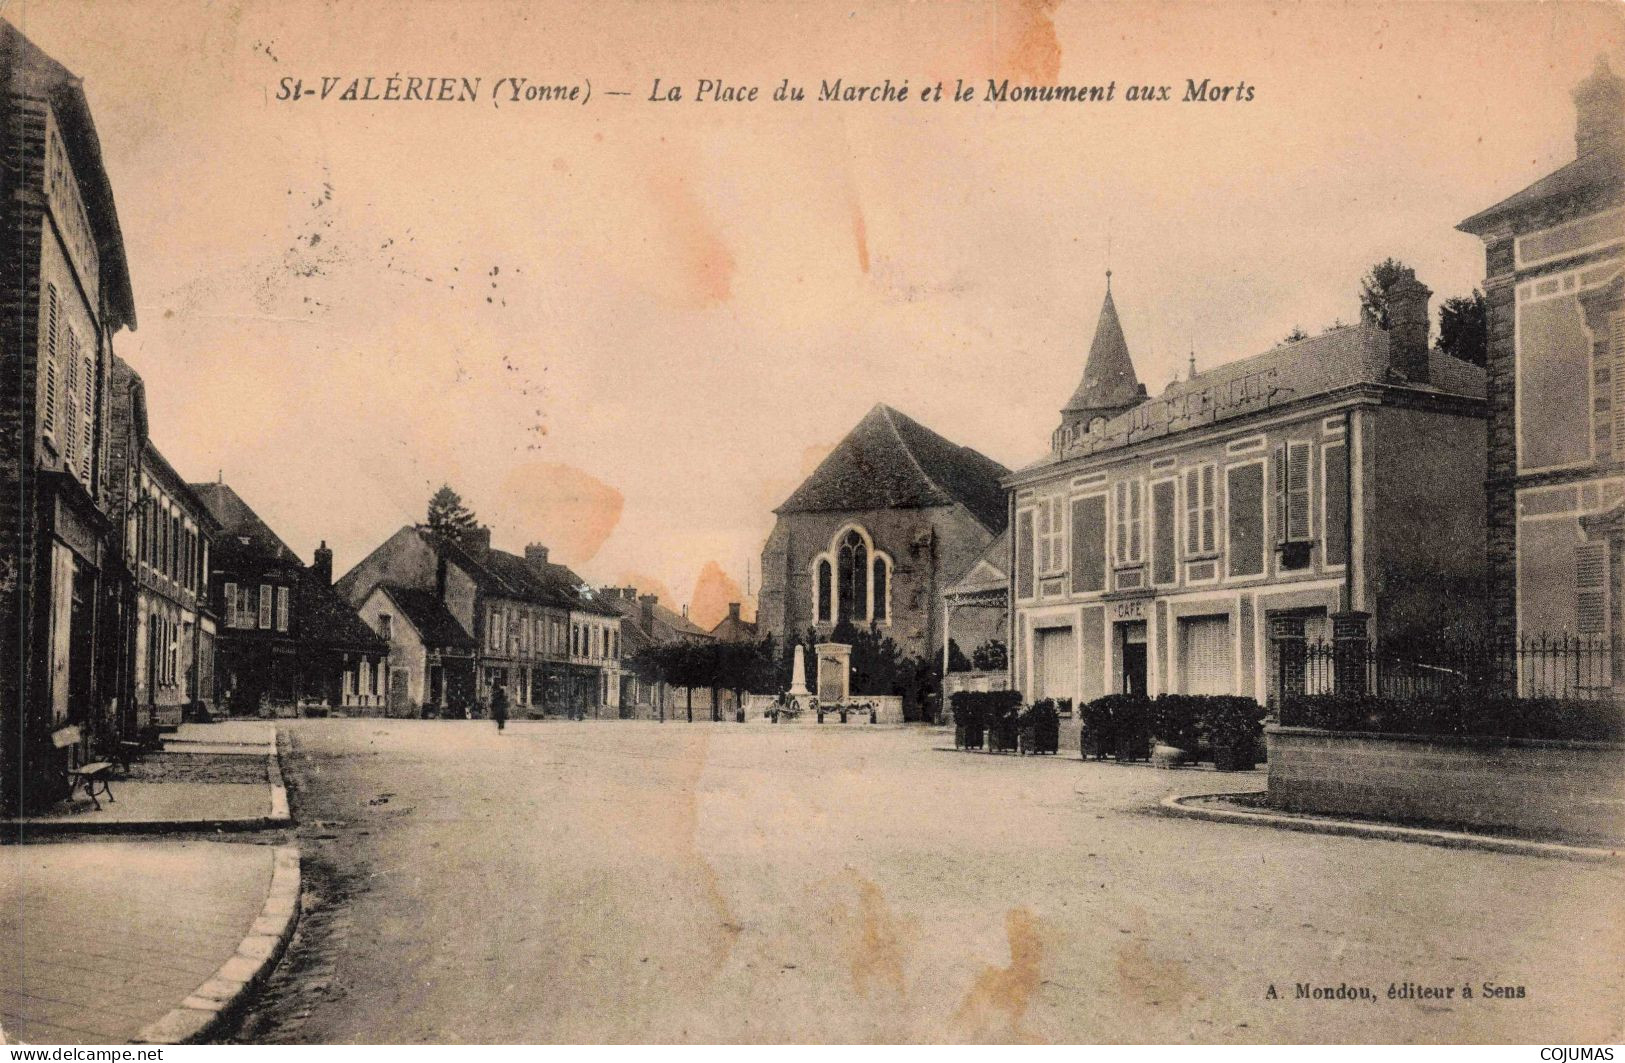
(1295, 335)
(448, 517)
(990, 656)
(1464, 328)
(1375, 287)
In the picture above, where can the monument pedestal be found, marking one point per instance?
(834, 672)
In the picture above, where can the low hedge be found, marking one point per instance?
(1478, 716)
(1125, 723)
(982, 707)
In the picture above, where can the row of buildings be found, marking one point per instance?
(1355, 485)
(131, 598)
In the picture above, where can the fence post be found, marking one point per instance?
(1291, 653)
(1350, 638)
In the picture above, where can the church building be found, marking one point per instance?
(892, 517)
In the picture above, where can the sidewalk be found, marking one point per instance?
(112, 942)
(209, 777)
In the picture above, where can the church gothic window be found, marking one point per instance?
(852, 580)
(853, 590)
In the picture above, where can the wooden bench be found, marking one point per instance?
(92, 776)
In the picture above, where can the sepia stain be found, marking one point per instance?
(571, 511)
(878, 942)
(1147, 982)
(1000, 996)
(705, 265)
(1028, 49)
(714, 591)
(860, 233)
(728, 928)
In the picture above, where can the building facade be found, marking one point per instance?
(1554, 256)
(286, 640)
(432, 659)
(64, 292)
(646, 623)
(1326, 487)
(541, 634)
(892, 516)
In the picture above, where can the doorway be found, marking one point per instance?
(1131, 650)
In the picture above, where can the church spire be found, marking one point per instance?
(1109, 384)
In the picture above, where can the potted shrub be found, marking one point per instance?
(1233, 726)
(1095, 739)
(1003, 721)
(967, 709)
(1174, 725)
(1131, 725)
(1040, 730)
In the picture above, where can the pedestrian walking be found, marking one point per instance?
(499, 706)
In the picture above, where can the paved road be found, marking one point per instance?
(621, 881)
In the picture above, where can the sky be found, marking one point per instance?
(628, 328)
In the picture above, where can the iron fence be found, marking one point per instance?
(1561, 666)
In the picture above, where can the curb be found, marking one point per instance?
(279, 816)
(220, 998)
(1182, 808)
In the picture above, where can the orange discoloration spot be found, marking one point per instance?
(879, 941)
(712, 593)
(1149, 982)
(704, 260)
(1028, 49)
(860, 233)
(998, 1000)
(569, 510)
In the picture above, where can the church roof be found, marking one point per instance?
(1108, 375)
(891, 461)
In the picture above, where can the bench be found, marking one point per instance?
(91, 777)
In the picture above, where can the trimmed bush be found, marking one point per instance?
(1480, 716)
(1176, 720)
(1041, 728)
(974, 710)
(1233, 726)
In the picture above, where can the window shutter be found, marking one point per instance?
(1616, 360)
(1297, 487)
(52, 316)
(265, 604)
(1193, 511)
(1591, 586)
(87, 411)
(1278, 466)
(282, 608)
(1210, 505)
(229, 604)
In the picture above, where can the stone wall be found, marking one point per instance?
(1557, 789)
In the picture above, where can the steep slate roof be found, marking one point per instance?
(1108, 375)
(1594, 172)
(1345, 357)
(328, 620)
(989, 572)
(729, 629)
(429, 615)
(892, 461)
(669, 626)
(26, 70)
(238, 520)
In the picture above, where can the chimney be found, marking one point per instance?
(477, 541)
(1408, 328)
(1599, 111)
(322, 567)
(733, 611)
(646, 611)
(536, 556)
